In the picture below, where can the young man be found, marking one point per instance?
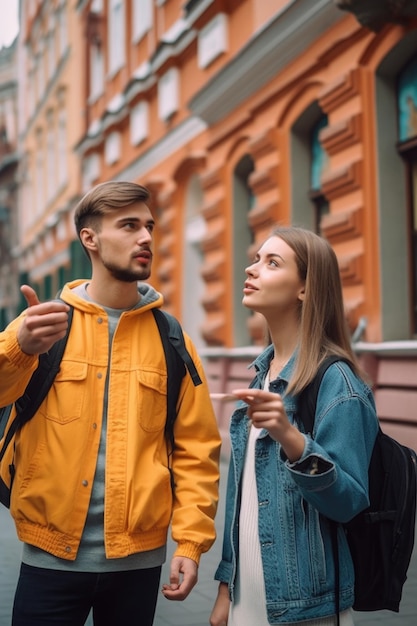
(92, 497)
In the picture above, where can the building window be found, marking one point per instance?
(96, 6)
(139, 122)
(407, 134)
(142, 18)
(40, 75)
(91, 170)
(168, 94)
(407, 102)
(116, 30)
(96, 71)
(243, 202)
(39, 175)
(50, 157)
(194, 232)
(309, 162)
(319, 164)
(51, 54)
(62, 147)
(62, 30)
(212, 40)
(112, 149)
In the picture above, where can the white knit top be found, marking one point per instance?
(249, 606)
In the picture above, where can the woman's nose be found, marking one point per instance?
(251, 269)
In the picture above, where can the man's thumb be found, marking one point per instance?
(30, 295)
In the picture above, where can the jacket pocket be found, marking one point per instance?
(65, 398)
(152, 400)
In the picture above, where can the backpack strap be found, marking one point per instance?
(307, 400)
(306, 413)
(173, 329)
(177, 359)
(38, 386)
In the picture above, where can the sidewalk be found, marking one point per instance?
(196, 609)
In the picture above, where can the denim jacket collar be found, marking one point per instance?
(261, 365)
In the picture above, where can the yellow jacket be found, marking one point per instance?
(55, 453)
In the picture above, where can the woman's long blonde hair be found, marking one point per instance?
(323, 326)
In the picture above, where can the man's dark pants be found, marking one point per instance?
(53, 598)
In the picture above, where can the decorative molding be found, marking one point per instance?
(212, 209)
(351, 269)
(264, 179)
(166, 225)
(338, 227)
(172, 50)
(353, 309)
(213, 329)
(341, 181)
(263, 144)
(213, 239)
(263, 215)
(340, 91)
(160, 151)
(166, 269)
(214, 269)
(337, 137)
(212, 297)
(212, 178)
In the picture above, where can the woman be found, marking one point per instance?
(277, 565)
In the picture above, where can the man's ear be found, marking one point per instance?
(88, 238)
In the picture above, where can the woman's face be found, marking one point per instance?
(273, 284)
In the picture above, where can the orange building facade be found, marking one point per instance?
(239, 114)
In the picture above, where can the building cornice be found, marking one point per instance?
(170, 143)
(270, 50)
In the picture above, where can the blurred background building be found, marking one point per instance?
(9, 287)
(237, 114)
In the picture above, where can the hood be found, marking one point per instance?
(149, 297)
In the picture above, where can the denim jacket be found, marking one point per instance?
(295, 500)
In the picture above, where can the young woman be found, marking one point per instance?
(284, 485)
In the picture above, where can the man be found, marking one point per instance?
(92, 497)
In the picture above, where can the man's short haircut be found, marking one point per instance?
(106, 198)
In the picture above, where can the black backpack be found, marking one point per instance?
(177, 359)
(381, 538)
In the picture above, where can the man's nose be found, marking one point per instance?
(144, 235)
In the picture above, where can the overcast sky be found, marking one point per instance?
(8, 21)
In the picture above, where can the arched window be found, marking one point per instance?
(243, 201)
(308, 162)
(394, 212)
(407, 146)
(319, 161)
(195, 227)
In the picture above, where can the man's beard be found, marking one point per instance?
(126, 275)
